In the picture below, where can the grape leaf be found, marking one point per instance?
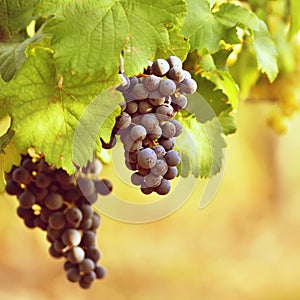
(14, 16)
(5, 140)
(10, 156)
(107, 27)
(232, 15)
(227, 122)
(265, 52)
(12, 55)
(225, 83)
(46, 107)
(201, 26)
(178, 47)
(201, 147)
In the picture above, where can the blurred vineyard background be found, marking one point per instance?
(244, 245)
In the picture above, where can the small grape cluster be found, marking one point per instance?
(52, 200)
(146, 126)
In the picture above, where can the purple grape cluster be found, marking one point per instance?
(57, 203)
(146, 126)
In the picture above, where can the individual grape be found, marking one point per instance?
(159, 150)
(132, 145)
(178, 127)
(179, 101)
(103, 187)
(167, 87)
(88, 239)
(86, 280)
(125, 84)
(163, 188)
(160, 168)
(168, 144)
(150, 122)
(54, 201)
(25, 213)
(139, 92)
(26, 199)
(87, 211)
(59, 246)
(152, 180)
(171, 173)
(147, 158)
(12, 188)
(123, 121)
(21, 175)
(75, 255)
(29, 165)
(131, 166)
(188, 86)
(29, 223)
(42, 180)
(63, 178)
(86, 224)
(73, 274)
(137, 178)
(74, 215)
(187, 74)
(71, 237)
(131, 156)
(100, 272)
(87, 266)
(165, 112)
(145, 107)
(96, 221)
(133, 81)
(132, 107)
(168, 130)
(157, 101)
(155, 134)
(160, 67)
(172, 158)
(112, 142)
(146, 190)
(93, 253)
(138, 132)
(86, 186)
(152, 83)
(57, 220)
(174, 61)
(39, 193)
(54, 253)
(68, 265)
(176, 74)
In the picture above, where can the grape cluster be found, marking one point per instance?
(56, 202)
(146, 126)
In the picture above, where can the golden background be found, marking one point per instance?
(244, 245)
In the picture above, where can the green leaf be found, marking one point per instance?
(201, 26)
(12, 56)
(14, 16)
(107, 27)
(227, 122)
(216, 100)
(232, 15)
(178, 47)
(46, 107)
(225, 83)
(265, 52)
(201, 147)
(207, 63)
(295, 20)
(10, 157)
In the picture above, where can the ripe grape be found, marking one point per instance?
(152, 82)
(54, 201)
(163, 188)
(138, 132)
(171, 173)
(176, 74)
(73, 274)
(188, 86)
(26, 199)
(150, 122)
(147, 158)
(71, 237)
(152, 180)
(20, 175)
(139, 91)
(174, 61)
(57, 220)
(168, 130)
(172, 158)
(167, 87)
(160, 67)
(160, 168)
